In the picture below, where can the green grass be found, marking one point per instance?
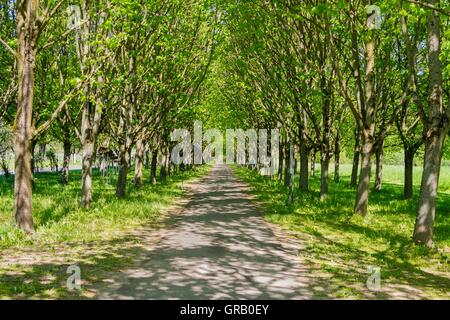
(59, 217)
(343, 246)
(101, 239)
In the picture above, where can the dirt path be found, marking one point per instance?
(219, 247)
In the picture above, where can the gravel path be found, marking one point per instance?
(218, 247)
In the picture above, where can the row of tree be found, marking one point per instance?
(325, 72)
(112, 76)
(108, 76)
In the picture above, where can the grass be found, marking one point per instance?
(340, 247)
(97, 239)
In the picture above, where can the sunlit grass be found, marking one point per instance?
(58, 215)
(96, 240)
(345, 245)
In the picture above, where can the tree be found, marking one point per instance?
(436, 124)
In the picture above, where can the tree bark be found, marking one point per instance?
(324, 167)
(22, 181)
(424, 226)
(89, 130)
(126, 116)
(33, 157)
(409, 165)
(139, 162)
(337, 156)
(362, 195)
(153, 166)
(4, 165)
(280, 164)
(168, 162)
(66, 160)
(379, 155)
(303, 150)
(147, 159)
(313, 163)
(304, 166)
(356, 156)
(123, 172)
(86, 178)
(295, 165)
(91, 116)
(287, 166)
(102, 167)
(291, 174)
(436, 126)
(33, 162)
(169, 166)
(163, 171)
(27, 34)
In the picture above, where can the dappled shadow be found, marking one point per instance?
(52, 201)
(219, 247)
(400, 279)
(42, 272)
(340, 247)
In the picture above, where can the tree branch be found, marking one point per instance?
(62, 105)
(430, 6)
(11, 50)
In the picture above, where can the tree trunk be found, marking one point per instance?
(379, 155)
(33, 162)
(408, 183)
(362, 195)
(86, 179)
(313, 163)
(102, 167)
(33, 157)
(291, 175)
(90, 120)
(280, 164)
(337, 156)
(436, 131)
(356, 156)
(287, 166)
(324, 164)
(139, 161)
(89, 129)
(22, 181)
(87, 139)
(295, 165)
(153, 166)
(123, 171)
(27, 33)
(66, 160)
(163, 171)
(423, 230)
(303, 167)
(5, 167)
(168, 162)
(147, 159)
(303, 150)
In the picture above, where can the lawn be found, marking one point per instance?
(99, 240)
(59, 217)
(340, 247)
